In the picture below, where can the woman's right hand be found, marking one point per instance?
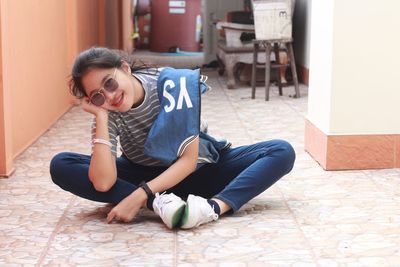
(93, 109)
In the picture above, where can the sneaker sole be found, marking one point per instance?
(185, 216)
(186, 224)
(176, 219)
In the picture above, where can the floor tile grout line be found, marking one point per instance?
(378, 186)
(284, 101)
(282, 195)
(314, 257)
(251, 139)
(55, 231)
(175, 259)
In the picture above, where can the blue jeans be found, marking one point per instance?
(240, 174)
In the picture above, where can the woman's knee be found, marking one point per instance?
(57, 164)
(286, 152)
(60, 165)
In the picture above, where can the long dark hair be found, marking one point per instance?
(100, 58)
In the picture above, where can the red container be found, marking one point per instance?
(175, 24)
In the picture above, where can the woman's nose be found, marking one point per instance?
(108, 95)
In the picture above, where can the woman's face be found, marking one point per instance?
(114, 84)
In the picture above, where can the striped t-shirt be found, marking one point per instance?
(133, 126)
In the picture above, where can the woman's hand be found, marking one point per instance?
(127, 209)
(90, 108)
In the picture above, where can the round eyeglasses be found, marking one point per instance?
(97, 97)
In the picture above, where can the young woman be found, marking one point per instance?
(187, 191)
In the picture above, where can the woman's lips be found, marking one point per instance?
(119, 101)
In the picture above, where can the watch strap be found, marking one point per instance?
(146, 189)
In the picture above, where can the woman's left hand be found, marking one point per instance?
(127, 209)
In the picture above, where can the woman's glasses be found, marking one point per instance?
(97, 97)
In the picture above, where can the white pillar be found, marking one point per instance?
(353, 119)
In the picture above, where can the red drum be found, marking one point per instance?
(175, 24)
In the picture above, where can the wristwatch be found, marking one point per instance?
(146, 189)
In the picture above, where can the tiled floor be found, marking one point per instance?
(309, 218)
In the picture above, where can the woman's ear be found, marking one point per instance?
(125, 66)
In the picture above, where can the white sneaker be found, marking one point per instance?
(169, 207)
(197, 212)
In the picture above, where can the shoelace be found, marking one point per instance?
(161, 200)
(210, 216)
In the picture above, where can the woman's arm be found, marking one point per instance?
(185, 165)
(178, 171)
(102, 168)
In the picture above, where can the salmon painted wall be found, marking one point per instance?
(34, 66)
(127, 26)
(5, 120)
(39, 40)
(88, 19)
(112, 32)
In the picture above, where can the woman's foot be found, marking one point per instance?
(170, 208)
